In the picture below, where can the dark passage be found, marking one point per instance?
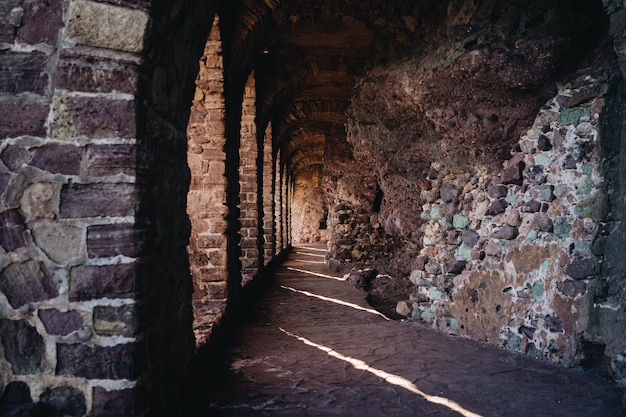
(314, 347)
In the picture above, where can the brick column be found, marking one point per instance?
(268, 211)
(278, 205)
(248, 155)
(207, 191)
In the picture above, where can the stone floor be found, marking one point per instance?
(313, 347)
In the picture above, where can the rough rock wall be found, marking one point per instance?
(495, 181)
(308, 208)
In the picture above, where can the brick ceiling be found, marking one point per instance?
(308, 57)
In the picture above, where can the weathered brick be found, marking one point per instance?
(7, 22)
(23, 119)
(115, 321)
(98, 200)
(41, 22)
(114, 239)
(96, 76)
(23, 347)
(60, 323)
(59, 159)
(61, 242)
(4, 182)
(89, 282)
(105, 160)
(12, 230)
(14, 157)
(113, 403)
(26, 282)
(97, 117)
(98, 362)
(65, 401)
(96, 24)
(23, 72)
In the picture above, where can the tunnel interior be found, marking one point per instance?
(464, 159)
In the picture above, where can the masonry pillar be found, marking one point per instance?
(248, 156)
(207, 192)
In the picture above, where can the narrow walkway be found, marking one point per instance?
(314, 347)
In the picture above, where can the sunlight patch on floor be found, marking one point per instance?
(317, 274)
(386, 376)
(336, 301)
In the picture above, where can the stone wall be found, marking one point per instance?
(95, 293)
(309, 207)
(500, 221)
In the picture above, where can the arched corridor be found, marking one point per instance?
(461, 162)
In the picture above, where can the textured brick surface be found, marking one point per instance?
(23, 119)
(102, 25)
(41, 22)
(112, 160)
(59, 159)
(115, 321)
(96, 76)
(23, 72)
(12, 229)
(114, 239)
(97, 200)
(24, 348)
(27, 282)
(65, 401)
(98, 362)
(60, 323)
(113, 403)
(111, 281)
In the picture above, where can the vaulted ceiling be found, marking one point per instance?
(308, 56)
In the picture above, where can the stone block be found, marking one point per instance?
(60, 323)
(542, 222)
(61, 242)
(497, 207)
(106, 26)
(12, 229)
(93, 117)
(513, 174)
(58, 159)
(448, 192)
(39, 201)
(14, 157)
(497, 191)
(23, 72)
(88, 282)
(23, 119)
(24, 348)
(98, 362)
(27, 282)
(106, 160)
(96, 76)
(8, 22)
(115, 321)
(572, 288)
(506, 232)
(114, 239)
(98, 200)
(454, 267)
(113, 403)
(581, 269)
(41, 22)
(65, 401)
(4, 182)
(470, 238)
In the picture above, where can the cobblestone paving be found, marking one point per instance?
(314, 347)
